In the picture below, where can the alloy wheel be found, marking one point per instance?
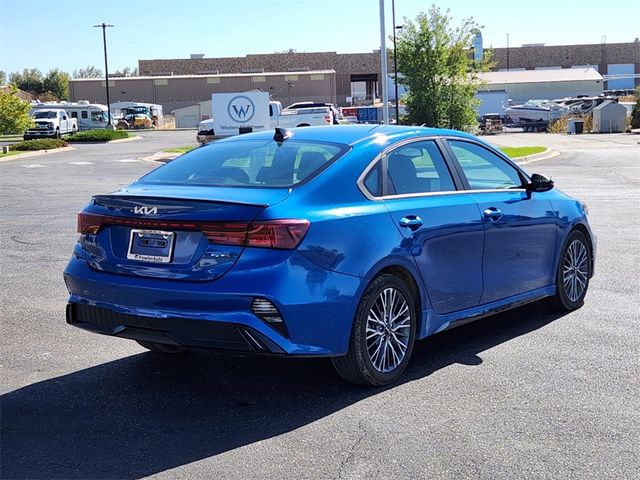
(575, 270)
(388, 330)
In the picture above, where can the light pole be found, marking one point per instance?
(106, 67)
(383, 67)
(507, 52)
(291, 85)
(395, 62)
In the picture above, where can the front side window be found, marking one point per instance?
(98, 116)
(252, 163)
(484, 169)
(417, 168)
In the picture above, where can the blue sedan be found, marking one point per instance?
(349, 242)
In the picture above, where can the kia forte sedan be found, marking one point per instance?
(349, 242)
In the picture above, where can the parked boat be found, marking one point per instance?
(535, 112)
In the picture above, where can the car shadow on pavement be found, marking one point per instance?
(147, 413)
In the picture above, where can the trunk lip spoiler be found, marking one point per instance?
(137, 197)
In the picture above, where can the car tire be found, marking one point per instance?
(58, 134)
(573, 273)
(160, 347)
(382, 336)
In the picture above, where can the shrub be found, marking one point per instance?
(98, 136)
(39, 144)
(635, 113)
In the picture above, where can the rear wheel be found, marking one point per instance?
(160, 347)
(383, 334)
(574, 271)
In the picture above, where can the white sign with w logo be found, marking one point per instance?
(232, 111)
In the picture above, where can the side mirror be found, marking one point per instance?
(539, 183)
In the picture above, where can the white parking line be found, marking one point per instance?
(128, 160)
(34, 165)
(80, 163)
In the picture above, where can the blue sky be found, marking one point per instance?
(52, 33)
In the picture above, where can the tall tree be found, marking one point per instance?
(57, 83)
(89, 72)
(30, 80)
(3, 77)
(14, 113)
(438, 70)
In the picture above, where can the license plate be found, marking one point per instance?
(155, 246)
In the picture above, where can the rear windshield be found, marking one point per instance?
(253, 163)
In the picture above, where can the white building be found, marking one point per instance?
(523, 85)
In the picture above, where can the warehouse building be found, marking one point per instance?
(178, 91)
(357, 74)
(523, 85)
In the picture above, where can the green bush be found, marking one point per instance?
(98, 136)
(39, 144)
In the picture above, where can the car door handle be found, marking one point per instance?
(412, 222)
(492, 213)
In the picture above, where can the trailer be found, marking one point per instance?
(90, 116)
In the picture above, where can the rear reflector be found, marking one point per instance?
(282, 234)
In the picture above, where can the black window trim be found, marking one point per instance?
(382, 158)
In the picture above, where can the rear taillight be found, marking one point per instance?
(282, 234)
(88, 223)
(286, 234)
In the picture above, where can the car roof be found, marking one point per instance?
(355, 134)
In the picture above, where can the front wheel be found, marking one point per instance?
(383, 334)
(574, 271)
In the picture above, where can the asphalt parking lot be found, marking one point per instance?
(525, 394)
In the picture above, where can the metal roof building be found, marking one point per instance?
(523, 85)
(179, 91)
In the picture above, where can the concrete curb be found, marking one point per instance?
(536, 157)
(161, 157)
(123, 140)
(36, 153)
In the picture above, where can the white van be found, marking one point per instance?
(90, 116)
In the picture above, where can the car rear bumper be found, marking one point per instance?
(171, 331)
(317, 307)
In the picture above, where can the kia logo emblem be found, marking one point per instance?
(145, 210)
(241, 109)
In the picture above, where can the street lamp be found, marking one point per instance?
(395, 59)
(507, 52)
(383, 67)
(106, 67)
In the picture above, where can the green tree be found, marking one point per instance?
(57, 83)
(125, 72)
(438, 70)
(14, 113)
(89, 72)
(3, 77)
(30, 80)
(635, 113)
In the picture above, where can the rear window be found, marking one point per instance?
(250, 163)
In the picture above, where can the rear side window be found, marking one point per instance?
(252, 163)
(418, 168)
(484, 169)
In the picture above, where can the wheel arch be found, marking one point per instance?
(587, 235)
(413, 281)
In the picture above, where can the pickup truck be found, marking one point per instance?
(287, 118)
(51, 123)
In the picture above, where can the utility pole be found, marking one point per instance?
(106, 67)
(395, 60)
(507, 52)
(383, 68)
